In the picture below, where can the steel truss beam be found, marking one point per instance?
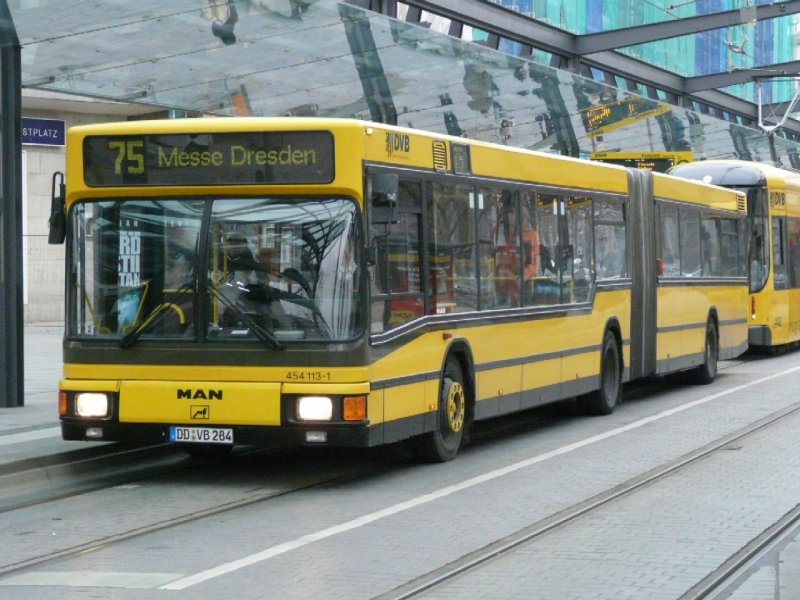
(630, 36)
(500, 21)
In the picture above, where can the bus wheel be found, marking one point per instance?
(705, 373)
(603, 400)
(442, 444)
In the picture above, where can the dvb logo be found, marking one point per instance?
(397, 142)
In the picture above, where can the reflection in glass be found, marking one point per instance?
(285, 267)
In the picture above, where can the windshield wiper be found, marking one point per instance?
(155, 316)
(266, 294)
(261, 333)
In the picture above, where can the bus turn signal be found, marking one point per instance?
(354, 408)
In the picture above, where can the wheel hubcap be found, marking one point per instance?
(455, 406)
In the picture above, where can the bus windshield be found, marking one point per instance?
(758, 220)
(274, 270)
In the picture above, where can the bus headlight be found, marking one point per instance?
(91, 404)
(314, 408)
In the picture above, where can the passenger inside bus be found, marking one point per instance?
(239, 264)
(250, 285)
(610, 254)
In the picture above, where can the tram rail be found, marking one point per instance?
(717, 580)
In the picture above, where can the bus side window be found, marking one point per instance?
(499, 253)
(690, 242)
(452, 249)
(579, 222)
(611, 257)
(779, 253)
(396, 275)
(710, 246)
(669, 242)
(547, 283)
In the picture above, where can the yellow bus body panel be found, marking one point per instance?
(338, 375)
(88, 385)
(669, 187)
(204, 403)
(250, 395)
(683, 315)
(509, 358)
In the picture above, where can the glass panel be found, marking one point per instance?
(690, 242)
(710, 247)
(546, 282)
(778, 253)
(499, 248)
(794, 253)
(396, 277)
(722, 50)
(434, 22)
(610, 241)
(289, 267)
(669, 251)
(508, 46)
(531, 248)
(286, 268)
(579, 220)
(732, 248)
(453, 249)
(758, 219)
(131, 261)
(379, 68)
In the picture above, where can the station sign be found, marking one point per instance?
(43, 132)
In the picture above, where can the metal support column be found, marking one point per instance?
(377, 93)
(12, 391)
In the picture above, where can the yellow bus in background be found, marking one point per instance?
(336, 282)
(773, 199)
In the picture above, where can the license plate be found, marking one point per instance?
(200, 435)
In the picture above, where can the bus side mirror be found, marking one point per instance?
(58, 217)
(383, 198)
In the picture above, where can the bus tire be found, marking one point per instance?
(705, 373)
(442, 444)
(603, 400)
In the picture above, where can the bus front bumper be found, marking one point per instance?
(355, 435)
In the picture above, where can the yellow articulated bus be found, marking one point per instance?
(336, 282)
(773, 201)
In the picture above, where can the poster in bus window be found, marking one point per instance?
(179, 258)
(130, 251)
(128, 304)
(404, 277)
(441, 273)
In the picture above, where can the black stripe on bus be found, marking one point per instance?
(489, 366)
(699, 325)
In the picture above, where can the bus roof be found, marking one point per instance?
(737, 173)
(670, 187)
(391, 145)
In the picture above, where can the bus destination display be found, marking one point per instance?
(650, 161)
(604, 118)
(226, 158)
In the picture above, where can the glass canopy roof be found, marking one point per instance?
(328, 58)
(744, 43)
